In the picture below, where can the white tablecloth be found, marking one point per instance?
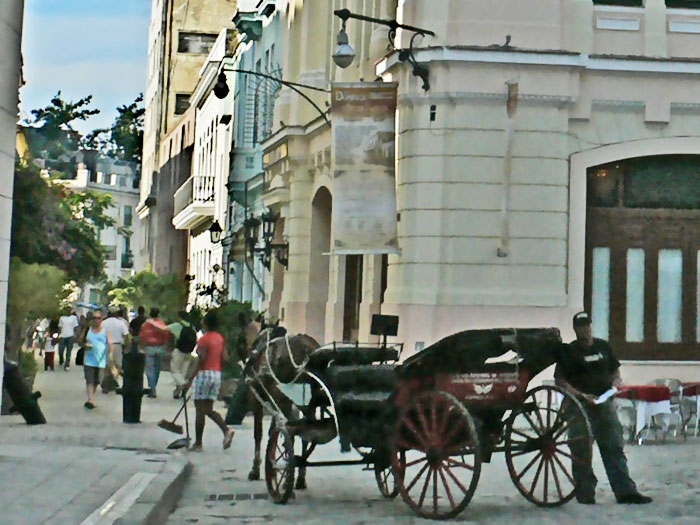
(645, 410)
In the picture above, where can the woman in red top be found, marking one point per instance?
(207, 379)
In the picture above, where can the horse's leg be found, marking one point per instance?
(254, 474)
(301, 476)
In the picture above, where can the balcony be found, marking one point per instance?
(194, 202)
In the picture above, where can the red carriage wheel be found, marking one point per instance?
(544, 437)
(279, 465)
(436, 451)
(386, 477)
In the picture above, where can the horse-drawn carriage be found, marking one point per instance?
(426, 425)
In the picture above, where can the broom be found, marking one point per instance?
(171, 426)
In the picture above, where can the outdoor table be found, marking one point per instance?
(648, 401)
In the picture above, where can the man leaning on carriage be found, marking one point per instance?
(588, 368)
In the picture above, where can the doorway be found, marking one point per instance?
(321, 213)
(352, 297)
(642, 241)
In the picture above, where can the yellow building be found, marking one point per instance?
(181, 34)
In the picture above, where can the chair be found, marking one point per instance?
(677, 404)
(627, 414)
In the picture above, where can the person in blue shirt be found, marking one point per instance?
(98, 350)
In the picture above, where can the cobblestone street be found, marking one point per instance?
(219, 491)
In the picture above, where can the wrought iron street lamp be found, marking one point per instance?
(265, 252)
(215, 231)
(221, 89)
(344, 53)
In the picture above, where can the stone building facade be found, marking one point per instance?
(11, 16)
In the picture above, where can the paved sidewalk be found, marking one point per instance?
(219, 492)
(88, 463)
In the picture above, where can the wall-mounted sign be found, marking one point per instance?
(364, 188)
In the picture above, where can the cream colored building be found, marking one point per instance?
(11, 15)
(596, 210)
(202, 198)
(181, 34)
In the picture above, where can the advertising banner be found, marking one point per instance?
(364, 189)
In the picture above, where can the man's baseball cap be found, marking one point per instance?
(582, 319)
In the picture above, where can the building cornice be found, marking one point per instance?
(547, 58)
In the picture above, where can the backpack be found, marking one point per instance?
(187, 340)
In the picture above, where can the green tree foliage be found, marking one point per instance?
(35, 291)
(166, 292)
(53, 226)
(55, 123)
(124, 139)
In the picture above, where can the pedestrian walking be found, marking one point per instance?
(135, 327)
(67, 324)
(211, 357)
(118, 330)
(185, 340)
(98, 350)
(588, 368)
(153, 337)
(50, 343)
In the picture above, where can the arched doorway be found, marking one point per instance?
(641, 257)
(321, 212)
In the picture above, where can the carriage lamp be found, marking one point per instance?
(344, 53)
(215, 231)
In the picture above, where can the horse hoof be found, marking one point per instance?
(300, 484)
(254, 476)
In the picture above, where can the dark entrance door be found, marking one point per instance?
(642, 240)
(353, 297)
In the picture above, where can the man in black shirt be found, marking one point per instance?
(588, 368)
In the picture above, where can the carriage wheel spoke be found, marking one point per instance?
(415, 480)
(540, 420)
(447, 488)
(443, 420)
(532, 423)
(545, 489)
(563, 468)
(556, 478)
(433, 417)
(425, 488)
(435, 492)
(571, 440)
(523, 452)
(415, 462)
(549, 407)
(454, 478)
(423, 439)
(523, 434)
(537, 477)
(427, 431)
(528, 466)
(566, 425)
(459, 464)
(446, 439)
(573, 458)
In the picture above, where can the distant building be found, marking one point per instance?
(181, 34)
(120, 179)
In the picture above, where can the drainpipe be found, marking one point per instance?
(511, 109)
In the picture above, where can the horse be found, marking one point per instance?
(257, 339)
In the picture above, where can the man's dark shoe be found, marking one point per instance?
(634, 499)
(590, 500)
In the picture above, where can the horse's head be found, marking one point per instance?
(268, 334)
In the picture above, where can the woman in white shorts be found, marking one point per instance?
(212, 354)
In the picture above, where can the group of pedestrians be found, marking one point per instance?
(102, 342)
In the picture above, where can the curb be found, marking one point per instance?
(155, 504)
